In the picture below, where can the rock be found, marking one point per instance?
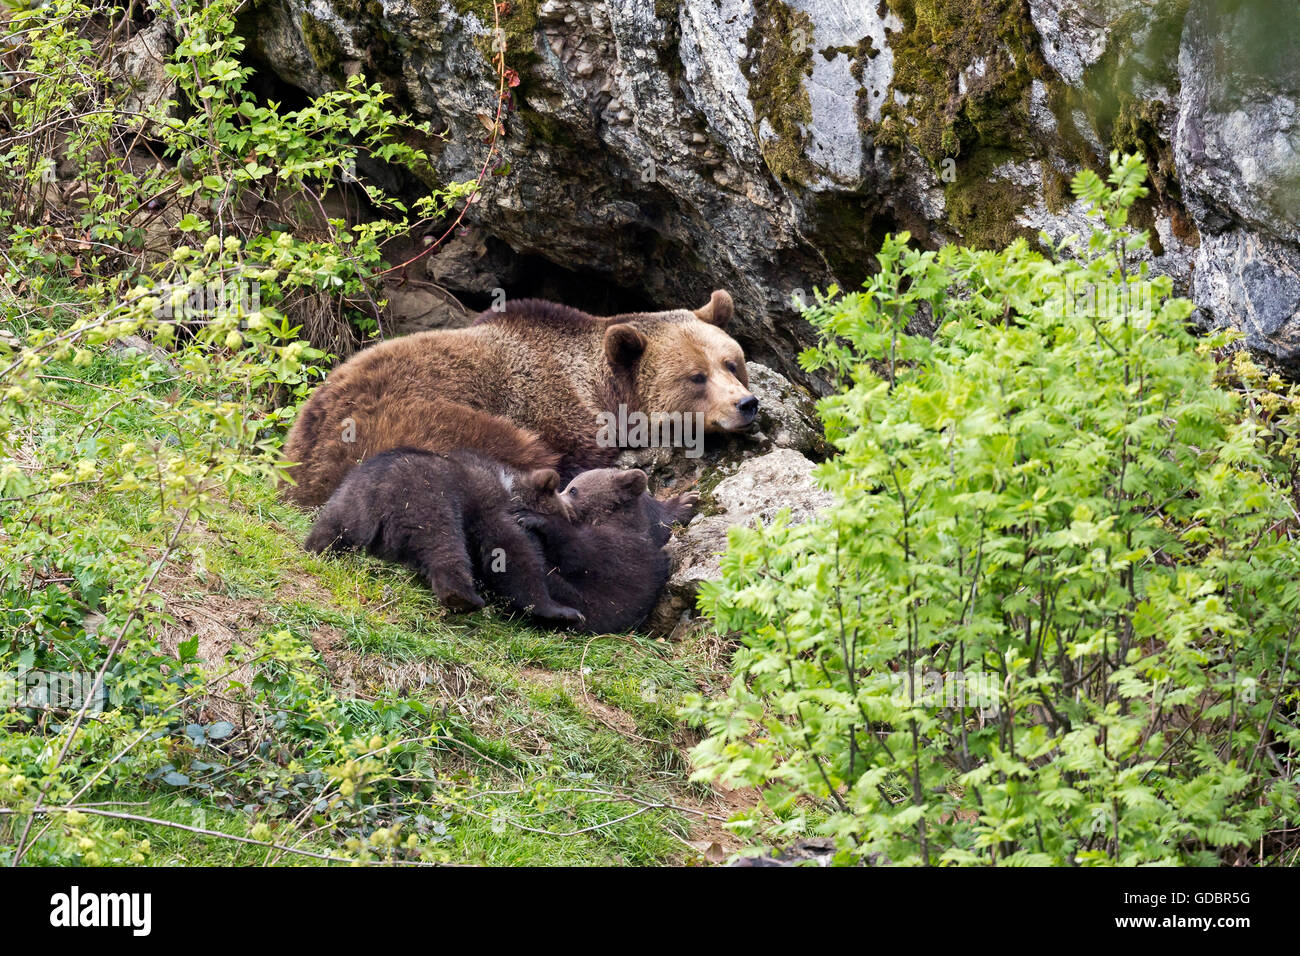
(757, 488)
(810, 851)
(608, 177)
(143, 68)
(669, 148)
(787, 413)
(1073, 38)
(413, 308)
(471, 261)
(135, 344)
(1238, 154)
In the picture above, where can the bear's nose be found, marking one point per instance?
(748, 407)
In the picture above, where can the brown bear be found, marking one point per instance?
(610, 496)
(609, 562)
(528, 386)
(456, 519)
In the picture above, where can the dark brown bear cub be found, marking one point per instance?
(609, 562)
(454, 518)
(609, 496)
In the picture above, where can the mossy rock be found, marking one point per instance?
(518, 23)
(983, 207)
(780, 42)
(325, 48)
(942, 39)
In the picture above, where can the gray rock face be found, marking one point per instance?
(757, 489)
(143, 68)
(1074, 38)
(787, 413)
(669, 147)
(1238, 150)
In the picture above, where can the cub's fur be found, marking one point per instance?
(610, 563)
(610, 496)
(454, 518)
(525, 386)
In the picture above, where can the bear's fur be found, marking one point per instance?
(524, 386)
(609, 563)
(454, 518)
(607, 495)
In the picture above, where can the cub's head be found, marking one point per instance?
(597, 495)
(683, 361)
(540, 492)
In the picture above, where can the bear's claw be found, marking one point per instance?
(561, 614)
(461, 602)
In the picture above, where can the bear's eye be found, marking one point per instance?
(731, 367)
(699, 378)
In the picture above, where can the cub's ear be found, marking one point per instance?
(624, 343)
(633, 482)
(719, 310)
(545, 480)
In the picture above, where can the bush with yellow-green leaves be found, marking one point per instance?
(1052, 616)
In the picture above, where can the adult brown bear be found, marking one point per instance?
(529, 386)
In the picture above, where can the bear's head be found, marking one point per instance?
(683, 361)
(597, 495)
(539, 492)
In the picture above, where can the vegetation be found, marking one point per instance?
(1052, 617)
(260, 704)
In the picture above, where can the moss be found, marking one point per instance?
(358, 9)
(324, 47)
(781, 56)
(983, 207)
(864, 51)
(1056, 189)
(543, 127)
(1136, 129)
(666, 10)
(979, 129)
(518, 20)
(940, 40)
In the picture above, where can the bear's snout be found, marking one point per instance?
(748, 408)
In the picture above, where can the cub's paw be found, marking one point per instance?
(559, 614)
(681, 508)
(460, 602)
(530, 521)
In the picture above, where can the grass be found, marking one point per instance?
(538, 747)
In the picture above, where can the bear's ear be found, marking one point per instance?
(545, 480)
(719, 310)
(633, 482)
(624, 343)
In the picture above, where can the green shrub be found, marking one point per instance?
(1051, 617)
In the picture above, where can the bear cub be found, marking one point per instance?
(455, 518)
(610, 563)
